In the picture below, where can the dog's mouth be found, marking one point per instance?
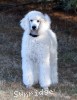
(34, 33)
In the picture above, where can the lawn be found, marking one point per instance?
(11, 86)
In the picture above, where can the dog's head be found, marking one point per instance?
(35, 21)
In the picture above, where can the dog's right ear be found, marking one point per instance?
(47, 19)
(24, 23)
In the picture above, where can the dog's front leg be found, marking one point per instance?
(44, 74)
(27, 69)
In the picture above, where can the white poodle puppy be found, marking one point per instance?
(39, 50)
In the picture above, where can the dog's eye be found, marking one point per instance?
(31, 20)
(38, 21)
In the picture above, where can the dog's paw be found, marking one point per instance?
(45, 88)
(28, 86)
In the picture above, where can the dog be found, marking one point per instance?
(38, 50)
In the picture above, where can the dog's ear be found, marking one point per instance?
(47, 19)
(24, 23)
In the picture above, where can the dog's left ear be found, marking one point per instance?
(47, 19)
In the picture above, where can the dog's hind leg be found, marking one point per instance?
(35, 73)
(54, 69)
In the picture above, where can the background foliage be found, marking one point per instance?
(66, 4)
(58, 4)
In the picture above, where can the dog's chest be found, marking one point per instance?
(38, 46)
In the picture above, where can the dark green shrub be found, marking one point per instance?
(71, 5)
(66, 4)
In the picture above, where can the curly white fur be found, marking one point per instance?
(39, 54)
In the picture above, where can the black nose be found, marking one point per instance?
(33, 27)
